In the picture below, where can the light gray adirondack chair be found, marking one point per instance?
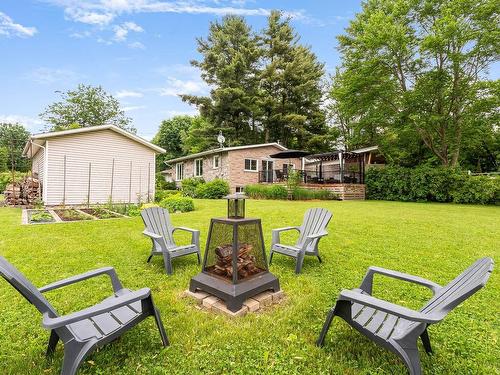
(398, 328)
(160, 230)
(83, 331)
(310, 232)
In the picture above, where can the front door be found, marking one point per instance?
(267, 170)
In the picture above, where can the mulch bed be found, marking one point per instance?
(71, 215)
(100, 214)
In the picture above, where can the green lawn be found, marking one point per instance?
(436, 241)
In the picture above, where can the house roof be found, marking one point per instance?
(223, 149)
(39, 139)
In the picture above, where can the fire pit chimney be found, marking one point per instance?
(236, 205)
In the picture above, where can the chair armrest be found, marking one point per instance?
(110, 271)
(317, 235)
(367, 283)
(61, 321)
(187, 229)
(278, 230)
(388, 307)
(151, 234)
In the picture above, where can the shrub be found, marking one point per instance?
(162, 194)
(214, 189)
(426, 183)
(148, 205)
(266, 192)
(176, 203)
(299, 193)
(189, 186)
(6, 178)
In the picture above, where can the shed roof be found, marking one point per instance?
(223, 149)
(39, 139)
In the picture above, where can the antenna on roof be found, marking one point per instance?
(221, 139)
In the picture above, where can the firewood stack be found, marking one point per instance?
(246, 261)
(22, 193)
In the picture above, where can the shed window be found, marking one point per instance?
(198, 167)
(179, 171)
(251, 165)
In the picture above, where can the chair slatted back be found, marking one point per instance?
(157, 220)
(25, 287)
(315, 220)
(461, 288)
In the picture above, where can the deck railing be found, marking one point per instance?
(325, 176)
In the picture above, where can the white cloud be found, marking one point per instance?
(177, 86)
(133, 108)
(129, 94)
(33, 124)
(48, 75)
(136, 45)
(103, 12)
(9, 28)
(121, 31)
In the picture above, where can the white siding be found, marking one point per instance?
(37, 164)
(95, 151)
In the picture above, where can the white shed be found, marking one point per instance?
(93, 165)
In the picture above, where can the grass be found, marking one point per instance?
(436, 241)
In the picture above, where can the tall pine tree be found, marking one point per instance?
(291, 88)
(229, 64)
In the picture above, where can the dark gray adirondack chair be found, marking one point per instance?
(398, 328)
(161, 231)
(83, 331)
(310, 232)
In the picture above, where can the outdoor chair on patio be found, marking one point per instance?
(160, 230)
(398, 328)
(313, 228)
(83, 331)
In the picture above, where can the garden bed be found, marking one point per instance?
(72, 215)
(101, 213)
(40, 217)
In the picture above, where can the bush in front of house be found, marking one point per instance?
(189, 186)
(215, 189)
(266, 191)
(162, 194)
(430, 184)
(162, 184)
(177, 202)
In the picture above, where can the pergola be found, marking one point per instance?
(347, 167)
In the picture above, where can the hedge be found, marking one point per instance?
(162, 194)
(428, 184)
(281, 192)
(177, 202)
(189, 186)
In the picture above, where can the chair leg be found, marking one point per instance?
(300, 262)
(73, 358)
(426, 342)
(159, 324)
(326, 327)
(149, 258)
(319, 258)
(271, 257)
(199, 257)
(53, 339)
(167, 260)
(412, 361)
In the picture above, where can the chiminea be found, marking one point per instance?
(235, 264)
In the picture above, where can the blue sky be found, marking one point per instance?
(138, 50)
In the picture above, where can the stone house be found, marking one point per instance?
(239, 166)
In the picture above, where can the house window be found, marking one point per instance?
(198, 167)
(288, 167)
(216, 162)
(251, 165)
(179, 171)
(240, 189)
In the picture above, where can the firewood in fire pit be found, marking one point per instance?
(246, 262)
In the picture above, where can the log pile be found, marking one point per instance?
(224, 261)
(23, 193)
